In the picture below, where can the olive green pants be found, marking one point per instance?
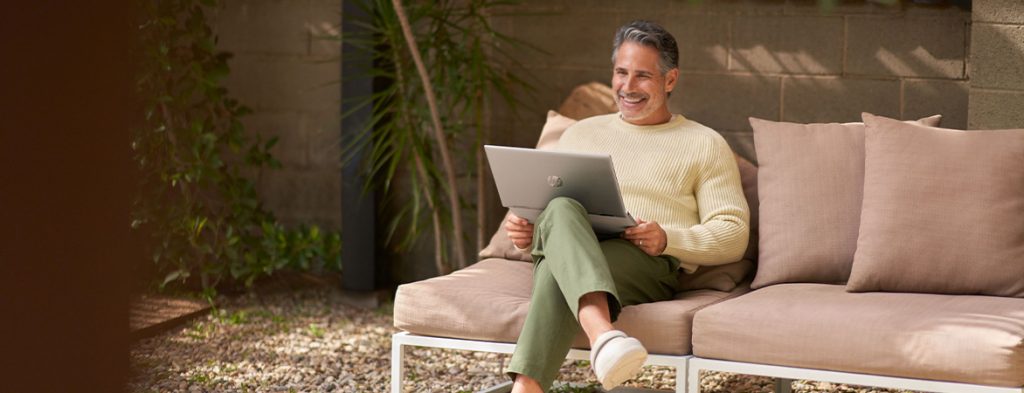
(569, 262)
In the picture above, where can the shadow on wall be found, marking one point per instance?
(777, 60)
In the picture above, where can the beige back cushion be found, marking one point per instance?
(943, 211)
(810, 179)
(596, 99)
(591, 99)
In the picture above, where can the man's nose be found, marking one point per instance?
(630, 82)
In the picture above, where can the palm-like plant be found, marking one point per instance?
(424, 109)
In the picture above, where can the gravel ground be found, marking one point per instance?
(308, 341)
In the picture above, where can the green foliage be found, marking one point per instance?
(230, 318)
(467, 61)
(205, 224)
(315, 330)
(568, 388)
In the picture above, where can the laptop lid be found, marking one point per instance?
(527, 179)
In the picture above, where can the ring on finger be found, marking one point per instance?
(641, 243)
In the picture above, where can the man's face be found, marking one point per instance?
(641, 91)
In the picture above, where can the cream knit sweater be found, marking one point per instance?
(680, 174)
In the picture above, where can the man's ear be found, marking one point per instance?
(671, 77)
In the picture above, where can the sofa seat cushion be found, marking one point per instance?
(489, 301)
(971, 339)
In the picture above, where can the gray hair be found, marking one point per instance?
(651, 35)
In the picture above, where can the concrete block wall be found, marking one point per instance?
(997, 65)
(288, 74)
(782, 60)
(774, 59)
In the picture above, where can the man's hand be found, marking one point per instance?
(648, 236)
(520, 231)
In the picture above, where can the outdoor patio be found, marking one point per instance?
(772, 59)
(279, 161)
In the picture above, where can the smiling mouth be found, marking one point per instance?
(631, 99)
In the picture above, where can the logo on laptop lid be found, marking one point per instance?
(554, 181)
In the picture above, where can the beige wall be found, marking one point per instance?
(773, 59)
(289, 76)
(997, 65)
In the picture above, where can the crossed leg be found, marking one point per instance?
(576, 288)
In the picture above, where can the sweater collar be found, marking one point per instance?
(675, 121)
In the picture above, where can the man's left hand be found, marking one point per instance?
(648, 236)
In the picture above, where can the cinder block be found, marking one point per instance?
(285, 83)
(703, 41)
(844, 7)
(993, 110)
(798, 45)
(276, 27)
(997, 56)
(827, 100)
(914, 9)
(731, 7)
(324, 28)
(324, 135)
(742, 143)
(998, 11)
(522, 132)
(324, 221)
(289, 128)
(535, 7)
(653, 10)
(923, 98)
(554, 85)
(504, 23)
(922, 47)
(724, 101)
(302, 194)
(498, 105)
(569, 39)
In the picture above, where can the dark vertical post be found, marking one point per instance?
(358, 256)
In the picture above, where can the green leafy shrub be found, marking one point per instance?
(195, 204)
(469, 65)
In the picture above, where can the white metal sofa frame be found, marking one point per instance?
(688, 368)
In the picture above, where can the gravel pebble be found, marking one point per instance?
(308, 341)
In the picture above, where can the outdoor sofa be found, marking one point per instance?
(888, 254)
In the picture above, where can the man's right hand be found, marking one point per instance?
(520, 231)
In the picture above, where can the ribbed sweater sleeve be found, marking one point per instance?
(723, 232)
(680, 174)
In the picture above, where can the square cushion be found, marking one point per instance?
(810, 179)
(943, 211)
(489, 301)
(970, 339)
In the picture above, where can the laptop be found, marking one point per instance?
(528, 179)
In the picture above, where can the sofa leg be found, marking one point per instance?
(682, 373)
(783, 385)
(397, 371)
(692, 378)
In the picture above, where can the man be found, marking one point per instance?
(678, 178)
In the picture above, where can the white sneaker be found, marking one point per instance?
(616, 358)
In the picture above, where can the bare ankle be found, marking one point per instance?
(525, 384)
(594, 316)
